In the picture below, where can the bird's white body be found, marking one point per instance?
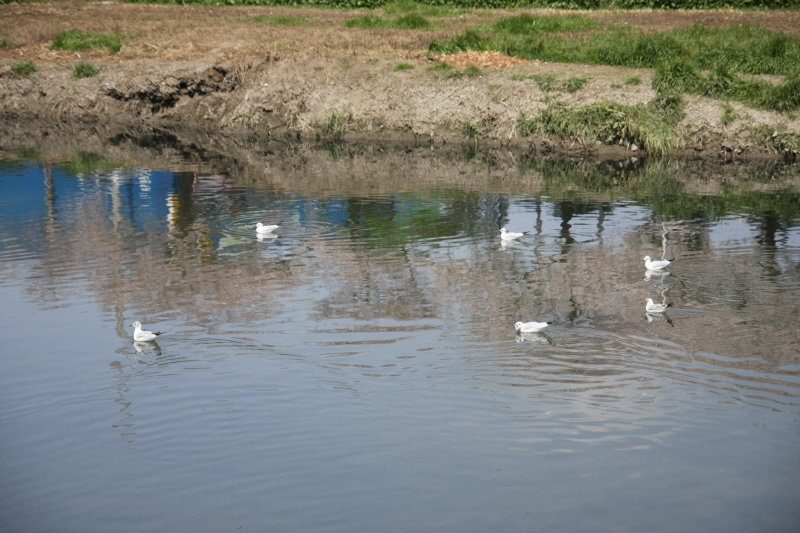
(508, 236)
(655, 265)
(261, 228)
(529, 327)
(653, 307)
(140, 335)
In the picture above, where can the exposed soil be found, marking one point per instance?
(217, 70)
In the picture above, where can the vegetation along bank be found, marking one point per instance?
(714, 81)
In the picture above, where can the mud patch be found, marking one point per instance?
(165, 94)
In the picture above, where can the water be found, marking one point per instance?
(359, 371)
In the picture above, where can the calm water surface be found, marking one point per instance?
(359, 371)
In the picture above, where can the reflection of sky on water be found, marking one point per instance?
(151, 199)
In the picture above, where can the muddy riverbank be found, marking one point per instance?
(215, 71)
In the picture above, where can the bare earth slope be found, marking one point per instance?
(217, 70)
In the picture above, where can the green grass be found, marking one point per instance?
(546, 82)
(473, 132)
(404, 66)
(551, 83)
(633, 80)
(332, 126)
(452, 72)
(697, 60)
(441, 66)
(650, 126)
(527, 126)
(721, 82)
(280, 21)
(573, 84)
(779, 143)
(425, 10)
(494, 4)
(24, 68)
(530, 25)
(76, 40)
(406, 22)
(743, 49)
(729, 114)
(85, 70)
(473, 71)
(4, 43)
(449, 71)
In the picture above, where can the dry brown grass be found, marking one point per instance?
(175, 33)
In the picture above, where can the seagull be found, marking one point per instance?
(529, 327)
(139, 335)
(654, 308)
(655, 265)
(507, 236)
(261, 228)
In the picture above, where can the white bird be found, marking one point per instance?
(654, 308)
(261, 228)
(140, 335)
(507, 235)
(656, 265)
(529, 327)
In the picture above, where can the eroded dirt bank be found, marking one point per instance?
(270, 82)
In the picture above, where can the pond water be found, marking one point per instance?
(359, 370)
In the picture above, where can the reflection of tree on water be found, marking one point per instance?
(769, 225)
(144, 266)
(565, 211)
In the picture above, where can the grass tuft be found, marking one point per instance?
(650, 126)
(366, 21)
(546, 82)
(470, 41)
(76, 40)
(473, 71)
(676, 76)
(24, 68)
(551, 83)
(573, 84)
(474, 131)
(404, 66)
(4, 43)
(413, 21)
(729, 114)
(527, 126)
(85, 70)
(333, 126)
